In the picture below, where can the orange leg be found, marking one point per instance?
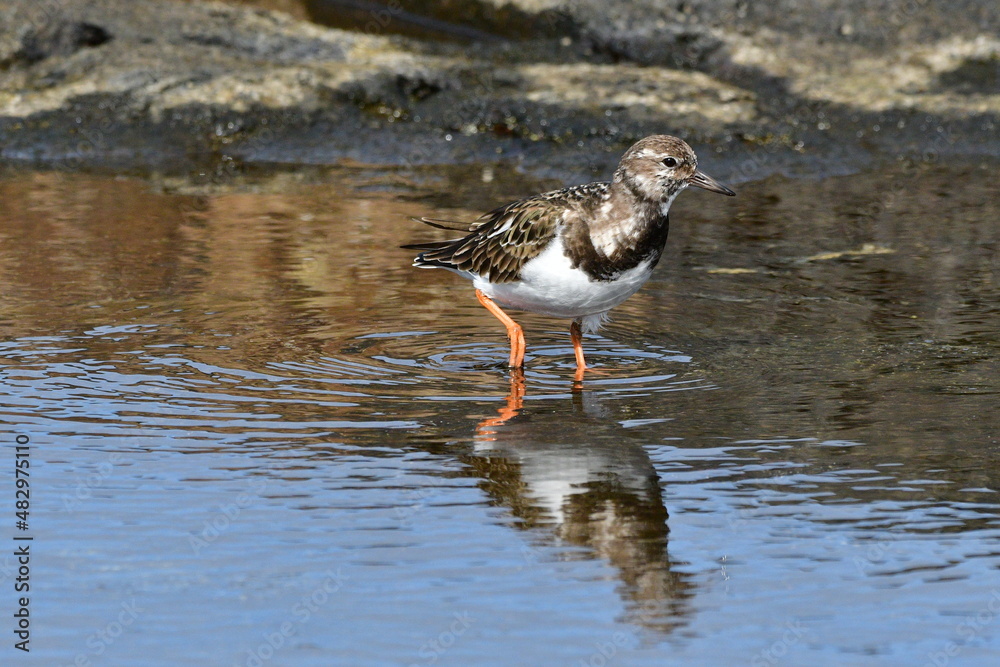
(577, 336)
(514, 331)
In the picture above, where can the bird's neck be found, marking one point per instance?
(622, 232)
(625, 220)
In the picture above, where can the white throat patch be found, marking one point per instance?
(665, 206)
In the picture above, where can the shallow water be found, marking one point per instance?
(259, 437)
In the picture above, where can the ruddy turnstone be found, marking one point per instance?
(576, 252)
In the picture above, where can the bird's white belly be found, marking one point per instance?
(551, 286)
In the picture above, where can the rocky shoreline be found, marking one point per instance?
(155, 84)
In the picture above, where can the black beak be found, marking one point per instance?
(703, 180)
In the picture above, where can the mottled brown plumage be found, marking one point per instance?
(501, 241)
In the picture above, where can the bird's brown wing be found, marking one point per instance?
(499, 243)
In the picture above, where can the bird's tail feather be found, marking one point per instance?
(432, 245)
(436, 254)
(450, 225)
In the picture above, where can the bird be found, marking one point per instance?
(573, 253)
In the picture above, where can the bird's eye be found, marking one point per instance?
(670, 162)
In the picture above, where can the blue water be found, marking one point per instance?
(258, 437)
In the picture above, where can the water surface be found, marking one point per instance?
(260, 437)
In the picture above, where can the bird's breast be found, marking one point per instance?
(552, 284)
(604, 251)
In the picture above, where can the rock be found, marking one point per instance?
(558, 87)
(58, 38)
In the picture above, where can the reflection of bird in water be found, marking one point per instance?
(596, 489)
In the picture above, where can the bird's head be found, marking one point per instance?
(659, 167)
